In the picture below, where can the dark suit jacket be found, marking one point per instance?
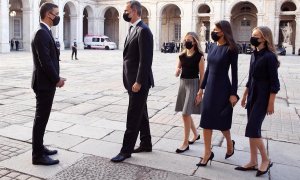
(137, 56)
(45, 74)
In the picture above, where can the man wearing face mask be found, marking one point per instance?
(45, 79)
(137, 80)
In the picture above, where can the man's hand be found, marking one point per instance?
(61, 82)
(136, 87)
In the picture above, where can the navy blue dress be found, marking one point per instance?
(262, 80)
(217, 110)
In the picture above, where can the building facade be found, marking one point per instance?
(169, 20)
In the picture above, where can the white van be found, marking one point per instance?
(98, 42)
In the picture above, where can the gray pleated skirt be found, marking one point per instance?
(186, 97)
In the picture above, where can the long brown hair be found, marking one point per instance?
(226, 29)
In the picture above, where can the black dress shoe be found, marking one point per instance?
(120, 157)
(142, 149)
(241, 168)
(182, 150)
(49, 152)
(44, 160)
(192, 142)
(211, 157)
(259, 173)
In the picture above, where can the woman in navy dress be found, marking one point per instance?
(220, 94)
(262, 87)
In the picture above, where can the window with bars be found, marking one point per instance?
(177, 32)
(245, 23)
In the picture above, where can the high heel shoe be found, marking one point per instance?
(212, 155)
(259, 173)
(251, 168)
(229, 155)
(192, 142)
(182, 150)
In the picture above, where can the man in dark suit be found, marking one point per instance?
(45, 79)
(137, 79)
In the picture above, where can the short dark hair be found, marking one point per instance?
(136, 5)
(46, 7)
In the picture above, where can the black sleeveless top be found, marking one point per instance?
(190, 65)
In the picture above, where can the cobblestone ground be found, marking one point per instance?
(7, 174)
(90, 111)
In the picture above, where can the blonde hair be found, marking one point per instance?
(196, 39)
(268, 37)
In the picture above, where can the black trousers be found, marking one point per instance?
(44, 100)
(137, 121)
(74, 51)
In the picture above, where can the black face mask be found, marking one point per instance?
(214, 36)
(188, 44)
(126, 17)
(254, 41)
(55, 20)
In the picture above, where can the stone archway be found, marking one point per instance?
(204, 22)
(43, 1)
(287, 26)
(88, 21)
(69, 24)
(19, 24)
(243, 20)
(170, 24)
(111, 24)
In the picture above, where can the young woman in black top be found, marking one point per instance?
(190, 65)
(262, 87)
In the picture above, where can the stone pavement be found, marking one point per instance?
(89, 115)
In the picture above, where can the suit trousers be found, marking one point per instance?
(137, 121)
(44, 100)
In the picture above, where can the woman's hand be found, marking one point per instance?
(198, 99)
(243, 102)
(270, 109)
(178, 71)
(233, 100)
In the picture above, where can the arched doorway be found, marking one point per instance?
(69, 24)
(88, 21)
(111, 24)
(170, 24)
(203, 25)
(43, 1)
(287, 26)
(16, 24)
(243, 20)
(145, 15)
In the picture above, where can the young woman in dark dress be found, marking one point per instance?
(220, 94)
(190, 67)
(262, 87)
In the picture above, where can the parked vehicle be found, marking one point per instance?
(299, 51)
(249, 49)
(98, 42)
(280, 50)
(168, 47)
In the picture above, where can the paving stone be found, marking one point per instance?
(87, 131)
(280, 171)
(17, 132)
(109, 124)
(289, 155)
(72, 118)
(82, 108)
(24, 164)
(53, 125)
(100, 168)
(64, 141)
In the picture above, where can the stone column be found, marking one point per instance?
(260, 19)
(195, 22)
(100, 29)
(297, 38)
(61, 28)
(4, 22)
(73, 29)
(157, 39)
(276, 28)
(91, 25)
(152, 25)
(123, 30)
(27, 28)
(79, 36)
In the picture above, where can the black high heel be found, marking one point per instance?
(229, 155)
(192, 142)
(212, 155)
(251, 168)
(259, 173)
(182, 150)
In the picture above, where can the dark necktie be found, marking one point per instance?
(129, 31)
